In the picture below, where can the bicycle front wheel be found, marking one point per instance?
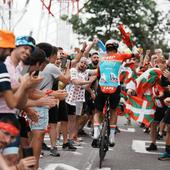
(103, 143)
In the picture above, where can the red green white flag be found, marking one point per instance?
(140, 110)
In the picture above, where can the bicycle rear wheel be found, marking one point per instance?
(103, 143)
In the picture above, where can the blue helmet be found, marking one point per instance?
(25, 41)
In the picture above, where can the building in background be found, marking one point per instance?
(41, 19)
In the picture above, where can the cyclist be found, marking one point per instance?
(109, 86)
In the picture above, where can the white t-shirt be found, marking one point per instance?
(76, 93)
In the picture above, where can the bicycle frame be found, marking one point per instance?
(104, 134)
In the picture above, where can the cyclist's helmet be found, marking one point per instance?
(111, 45)
(25, 41)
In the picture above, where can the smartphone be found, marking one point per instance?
(68, 63)
(27, 152)
(63, 62)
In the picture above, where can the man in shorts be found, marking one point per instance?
(50, 73)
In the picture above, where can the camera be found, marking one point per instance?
(27, 152)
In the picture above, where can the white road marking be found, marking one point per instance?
(77, 153)
(60, 166)
(127, 130)
(105, 168)
(140, 146)
(91, 158)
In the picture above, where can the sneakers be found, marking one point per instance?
(54, 152)
(142, 125)
(117, 130)
(82, 133)
(59, 142)
(74, 142)
(111, 144)
(159, 137)
(89, 124)
(68, 147)
(152, 147)
(45, 147)
(164, 157)
(146, 130)
(42, 155)
(95, 143)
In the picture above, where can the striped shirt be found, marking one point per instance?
(5, 83)
(14, 74)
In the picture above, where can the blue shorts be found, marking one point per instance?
(42, 120)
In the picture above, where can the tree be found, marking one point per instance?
(101, 18)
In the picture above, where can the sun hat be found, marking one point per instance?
(7, 39)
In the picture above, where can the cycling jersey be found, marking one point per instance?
(109, 68)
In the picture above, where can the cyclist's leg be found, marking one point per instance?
(99, 104)
(113, 123)
(96, 124)
(114, 101)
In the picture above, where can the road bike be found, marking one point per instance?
(104, 134)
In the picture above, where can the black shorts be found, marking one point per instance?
(71, 109)
(88, 105)
(159, 114)
(58, 113)
(167, 116)
(101, 97)
(25, 128)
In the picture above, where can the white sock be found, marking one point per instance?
(112, 135)
(96, 131)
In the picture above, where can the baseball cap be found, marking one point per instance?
(7, 39)
(25, 41)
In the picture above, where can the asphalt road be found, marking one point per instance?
(128, 154)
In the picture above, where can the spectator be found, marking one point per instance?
(50, 73)
(9, 130)
(17, 99)
(76, 94)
